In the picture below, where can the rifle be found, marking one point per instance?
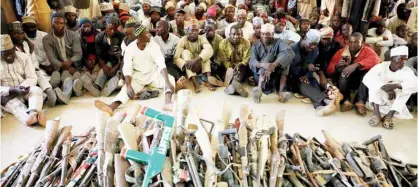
(14, 173)
(243, 142)
(191, 163)
(51, 134)
(87, 163)
(224, 156)
(65, 155)
(101, 119)
(278, 150)
(24, 173)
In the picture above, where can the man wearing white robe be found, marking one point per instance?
(390, 85)
(380, 39)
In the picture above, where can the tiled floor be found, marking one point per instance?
(17, 139)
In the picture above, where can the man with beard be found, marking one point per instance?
(18, 84)
(143, 66)
(170, 10)
(380, 39)
(30, 27)
(346, 31)
(246, 27)
(269, 62)
(304, 27)
(257, 22)
(167, 42)
(71, 17)
(233, 56)
(302, 71)
(193, 55)
(23, 45)
(151, 22)
(348, 67)
(287, 35)
(144, 12)
(109, 55)
(177, 25)
(327, 48)
(213, 38)
(402, 15)
(200, 12)
(63, 50)
(390, 86)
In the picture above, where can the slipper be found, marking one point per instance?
(257, 95)
(299, 96)
(306, 100)
(375, 121)
(148, 94)
(347, 106)
(388, 123)
(284, 97)
(361, 109)
(214, 81)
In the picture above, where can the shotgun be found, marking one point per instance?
(65, 155)
(101, 119)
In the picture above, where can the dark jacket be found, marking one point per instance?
(326, 54)
(299, 66)
(103, 47)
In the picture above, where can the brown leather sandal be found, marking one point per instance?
(388, 123)
(375, 121)
(361, 109)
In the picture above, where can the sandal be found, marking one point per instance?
(361, 109)
(148, 94)
(299, 96)
(347, 106)
(375, 121)
(388, 123)
(284, 97)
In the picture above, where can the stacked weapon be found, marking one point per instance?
(151, 147)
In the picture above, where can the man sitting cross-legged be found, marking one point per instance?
(193, 55)
(390, 86)
(269, 63)
(143, 66)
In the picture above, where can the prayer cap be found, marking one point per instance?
(124, 6)
(70, 8)
(6, 42)
(327, 32)
(258, 21)
(28, 19)
(130, 23)
(211, 11)
(105, 6)
(210, 22)
(313, 36)
(111, 19)
(124, 15)
(169, 4)
(139, 28)
(15, 26)
(267, 28)
(399, 51)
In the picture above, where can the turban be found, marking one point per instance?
(291, 4)
(105, 7)
(6, 42)
(124, 15)
(203, 6)
(399, 51)
(124, 6)
(130, 22)
(139, 28)
(326, 32)
(70, 8)
(258, 21)
(15, 26)
(28, 19)
(169, 4)
(313, 36)
(211, 11)
(193, 22)
(267, 28)
(241, 12)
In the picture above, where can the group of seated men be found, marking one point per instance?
(320, 62)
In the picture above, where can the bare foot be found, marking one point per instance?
(103, 107)
(41, 118)
(209, 86)
(32, 119)
(168, 107)
(196, 85)
(181, 83)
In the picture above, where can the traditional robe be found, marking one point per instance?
(247, 30)
(381, 75)
(229, 56)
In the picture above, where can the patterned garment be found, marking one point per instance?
(200, 48)
(215, 44)
(230, 56)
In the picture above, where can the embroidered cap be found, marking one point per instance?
(15, 26)
(139, 28)
(28, 19)
(6, 42)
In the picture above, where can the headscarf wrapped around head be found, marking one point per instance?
(84, 20)
(399, 51)
(211, 11)
(267, 28)
(313, 36)
(327, 32)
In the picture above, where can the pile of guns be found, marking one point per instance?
(150, 147)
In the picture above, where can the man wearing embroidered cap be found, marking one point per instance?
(170, 9)
(129, 34)
(247, 27)
(193, 55)
(143, 66)
(18, 84)
(71, 17)
(269, 62)
(200, 12)
(390, 85)
(144, 12)
(257, 22)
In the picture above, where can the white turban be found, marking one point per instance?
(399, 51)
(258, 21)
(267, 28)
(313, 36)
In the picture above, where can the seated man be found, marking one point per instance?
(143, 66)
(193, 55)
(128, 31)
(214, 39)
(71, 17)
(400, 37)
(170, 10)
(327, 48)
(247, 27)
(25, 46)
(380, 39)
(304, 27)
(302, 79)
(269, 62)
(18, 84)
(63, 50)
(257, 22)
(344, 37)
(229, 12)
(390, 86)
(287, 35)
(168, 43)
(177, 25)
(348, 67)
(151, 22)
(109, 56)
